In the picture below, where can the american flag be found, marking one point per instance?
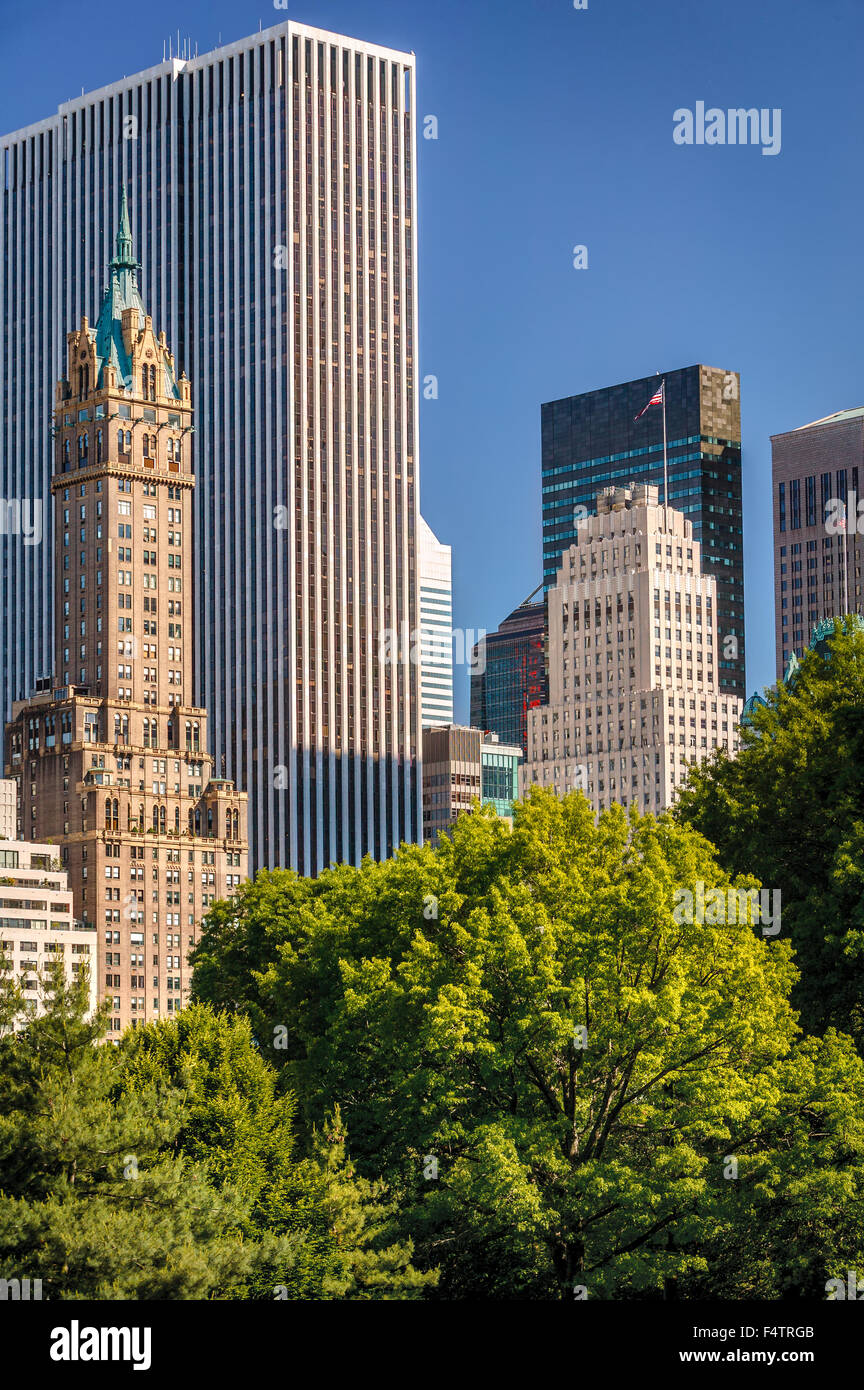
(656, 399)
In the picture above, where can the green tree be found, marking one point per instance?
(240, 1129)
(789, 808)
(91, 1199)
(545, 1065)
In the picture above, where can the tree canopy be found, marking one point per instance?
(565, 1087)
(789, 808)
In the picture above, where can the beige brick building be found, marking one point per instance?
(37, 922)
(111, 756)
(633, 696)
(8, 808)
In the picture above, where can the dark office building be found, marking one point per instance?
(594, 440)
(514, 678)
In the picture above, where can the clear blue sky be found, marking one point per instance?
(555, 128)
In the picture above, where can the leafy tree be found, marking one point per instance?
(790, 810)
(546, 1066)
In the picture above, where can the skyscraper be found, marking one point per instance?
(112, 753)
(594, 440)
(272, 191)
(508, 674)
(817, 562)
(633, 681)
(436, 627)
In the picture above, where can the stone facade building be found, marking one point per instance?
(633, 659)
(111, 753)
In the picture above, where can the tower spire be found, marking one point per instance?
(124, 259)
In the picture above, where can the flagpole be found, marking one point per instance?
(665, 461)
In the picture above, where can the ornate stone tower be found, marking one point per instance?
(109, 754)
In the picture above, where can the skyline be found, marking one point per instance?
(652, 286)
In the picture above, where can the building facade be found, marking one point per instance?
(436, 628)
(595, 440)
(38, 926)
(111, 755)
(461, 766)
(8, 808)
(508, 674)
(272, 189)
(817, 560)
(634, 694)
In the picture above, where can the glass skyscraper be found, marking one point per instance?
(594, 440)
(508, 675)
(272, 190)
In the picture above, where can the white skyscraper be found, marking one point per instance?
(633, 697)
(272, 191)
(436, 623)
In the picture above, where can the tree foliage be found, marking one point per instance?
(789, 808)
(165, 1169)
(547, 1068)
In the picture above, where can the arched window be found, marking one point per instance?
(188, 736)
(128, 441)
(209, 820)
(98, 446)
(82, 447)
(144, 382)
(120, 444)
(236, 820)
(153, 453)
(176, 820)
(116, 814)
(152, 383)
(178, 450)
(108, 813)
(155, 819)
(141, 815)
(146, 446)
(66, 453)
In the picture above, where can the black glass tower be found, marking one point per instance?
(594, 440)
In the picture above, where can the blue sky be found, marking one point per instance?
(555, 129)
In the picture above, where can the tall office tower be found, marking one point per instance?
(436, 627)
(594, 440)
(508, 674)
(633, 681)
(461, 766)
(112, 754)
(272, 187)
(814, 469)
(38, 927)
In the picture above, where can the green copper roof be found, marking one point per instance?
(122, 293)
(823, 630)
(834, 419)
